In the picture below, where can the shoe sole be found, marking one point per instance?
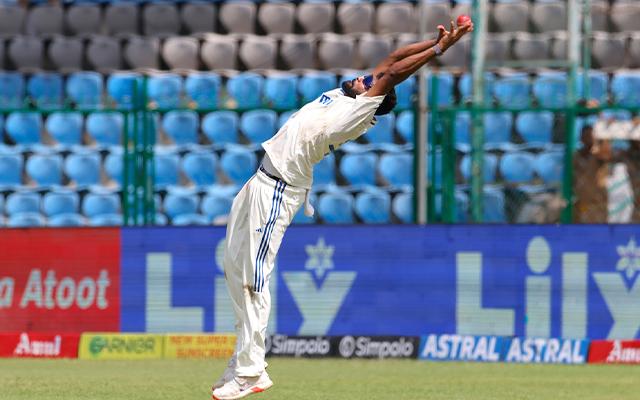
(247, 392)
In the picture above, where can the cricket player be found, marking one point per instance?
(265, 206)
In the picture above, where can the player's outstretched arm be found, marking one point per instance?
(389, 74)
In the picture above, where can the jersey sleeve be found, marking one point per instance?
(350, 118)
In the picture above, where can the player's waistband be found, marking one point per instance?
(272, 176)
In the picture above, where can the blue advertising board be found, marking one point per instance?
(486, 280)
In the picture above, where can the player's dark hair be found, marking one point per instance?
(388, 104)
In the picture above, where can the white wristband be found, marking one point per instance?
(437, 49)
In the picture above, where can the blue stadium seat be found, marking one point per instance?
(10, 170)
(397, 168)
(465, 86)
(71, 219)
(404, 93)
(359, 168)
(113, 165)
(85, 89)
(284, 117)
(246, 89)
(65, 127)
(165, 90)
(460, 205)
(106, 220)
(161, 219)
(190, 219)
(221, 127)
(402, 207)
(599, 84)
(535, 127)
(517, 167)
(550, 88)
(373, 207)
(445, 85)
(280, 91)
(405, 125)
(181, 202)
(45, 169)
(24, 220)
(60, 202)
(463, 128)
(513, 90)
(181, 126)
(258, 125)
(324, 172)
(336, 208)
(24, 128)
(200, 168)
(83, 168)
(312, 84)
(105, 127)
(382, 131)
(166, 169)
(216, 207)
(493, 205)
(549, 166)
(99, 203)
(497, 127)
(625, 88)
(11, 89)
(46, 89)
(22, 202)
(238, 164)
(203, 88)
(122, 87)
(489, 167)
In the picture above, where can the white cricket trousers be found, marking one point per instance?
(260, 214)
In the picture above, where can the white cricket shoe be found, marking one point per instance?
(227, 375)
(239, 387)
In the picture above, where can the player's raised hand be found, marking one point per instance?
(449, 38)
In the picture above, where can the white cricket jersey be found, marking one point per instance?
(315, 130)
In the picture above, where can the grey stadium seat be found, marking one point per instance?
(258, 52)
(104, 53)
(511, 17)
(277, 17)
(498, 47)
(437, 13)
(634, 50)
(316, 17)
(396, 17)
(45, 19)
(142, 52)
(66, 53)
(26, 52)
(84, 19)
(372, 49)
(599, 15)
(356, 17)
(625, 15)
(608, 50)
(404, 39)
(336, 51)
(1, 54)
(11, 19)
(527, 46)
(458, 56)
(181, 52)
(219, 52)
(121, 18)
(238, 16)
(298, 51)
(198, 17)
(160, 19)
(549, 16)
(559, 45)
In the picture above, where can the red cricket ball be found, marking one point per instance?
(463, 19)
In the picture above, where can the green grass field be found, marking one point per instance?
(317, 379)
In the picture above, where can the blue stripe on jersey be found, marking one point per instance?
(269, 229)
(264, 235)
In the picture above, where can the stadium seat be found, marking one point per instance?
(10, 171)
(106, 220)
(198, 17)
(45, 169)
(258, 125)
(372, 49)
(316, 17)
(396, 168)
(336, 51)
(459, 56)
(280, 91)
(489, 167)
(402, 207)
(180, 203)
(396, 17)
(165, 90)
(511, 16)
(22, 202)
(512, 90)
(124, 87)
(24, 128)
(12, 18)
(70, 219)
(60, 202)
(142, 52)
(359, 168)
(535, 127)
(97, 203)
(45, 20)
(11, 89)
(550, 89)
(284, 117)
(298, 51)
(335, 208)
(26, 53)
(609, 50)
(160, 19)
(181, 126)
(625, 15)
(121, 18)
(200, 168)
(24, 220)
(66, 53)
(312, 84)
(166, 169)
(634, 50)
(599, 15)
(203, 88)
(216, 207)
(324, 172)
(549, 15)
(238, 164)
(105, 127)
(445, 86)
(219, 52)
(498, 47)
(83, 168)
(238, 17)
(190, 219)
(493, 205)
(355, 17)
(382, 131)
(65, 127)
(104, 53)
(46, 89)
(517, 167)
(405, 92)
(84, 19)
(246, 89)
(113, 165)
(463, 128)
(527, 46)
(373, 207)
(277, 17)
(181, 52)
(598, 84)
(549, 166)
(85, 89)
(221, 127)
(625, 88)
(405, 125)
(497, 127)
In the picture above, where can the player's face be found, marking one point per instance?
(360, 84)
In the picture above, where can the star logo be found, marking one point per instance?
(319, 259)
(629, 258)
